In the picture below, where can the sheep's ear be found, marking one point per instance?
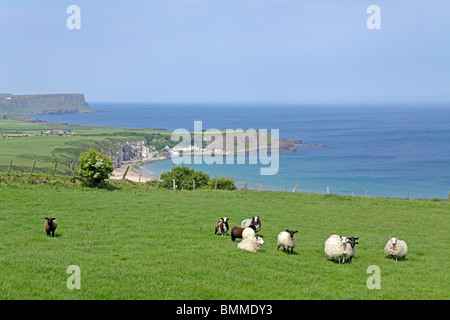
(46, 218)
(287, 230)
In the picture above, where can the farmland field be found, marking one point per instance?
(134, 242)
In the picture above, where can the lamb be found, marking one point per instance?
(50, 226)
(336, 248)
(286, 239)
(237, 232)
(396, 249)
(351, 248)
(255, 221)
(251, 244)
(222, 226)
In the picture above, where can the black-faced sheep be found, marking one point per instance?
(351, 249)
(286, 239)
(255, 221)
(222, 226)
(50, 226)
(236, 232)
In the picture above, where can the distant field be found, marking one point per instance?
(18, 143)
(141, 243)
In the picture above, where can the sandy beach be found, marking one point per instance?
(132, 174)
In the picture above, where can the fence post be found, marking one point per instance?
(32, 168)
(449, 195)
(174, 186)
(328, 189)
(7, 173)
(125, 173)
(193, 184)
(295, 188)
(407, 195)
(245, 186)
(54, 169)
(215, 186)
(140, 174)
(367, 193)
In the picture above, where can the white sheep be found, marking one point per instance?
(248, 233)
(286, 239)
(255, 220)
(396, 249)
(251, 244)
(336, 248)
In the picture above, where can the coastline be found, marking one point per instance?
(134, 173)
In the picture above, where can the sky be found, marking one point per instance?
(228, 51)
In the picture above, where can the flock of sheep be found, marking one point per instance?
(337, 248)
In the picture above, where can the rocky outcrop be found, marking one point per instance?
(132, 152)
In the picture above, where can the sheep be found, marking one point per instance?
(249, 232)
(351, 248)
(255, 221)
(336, 248)
(396, 249)
(251, 244)
(237, 232)
(50, 226)
(222, 226)
(286, 239)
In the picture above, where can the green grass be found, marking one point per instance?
(47, 149)
(133, 242)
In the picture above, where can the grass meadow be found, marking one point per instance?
(134, 242)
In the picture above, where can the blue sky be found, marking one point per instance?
(228, 51)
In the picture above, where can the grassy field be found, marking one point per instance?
(24, 148)
(133, 242)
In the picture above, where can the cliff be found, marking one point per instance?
(43, 104)
(131, 152)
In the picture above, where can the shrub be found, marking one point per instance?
(223, 183)
(184, 178)
(94, 167)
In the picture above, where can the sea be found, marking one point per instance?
(373, 150)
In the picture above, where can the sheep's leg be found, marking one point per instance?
(278, 248)
(53, 234)
(292, 250)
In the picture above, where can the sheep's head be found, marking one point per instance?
(352, 241)
(259, 240)
(225, 220)
(50, 220)
(255, 219)
(394, 241)
(344, 241)
(291, 232)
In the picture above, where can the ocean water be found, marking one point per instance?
(385, 150)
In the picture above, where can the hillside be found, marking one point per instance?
(142, 243)
(43, 104)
